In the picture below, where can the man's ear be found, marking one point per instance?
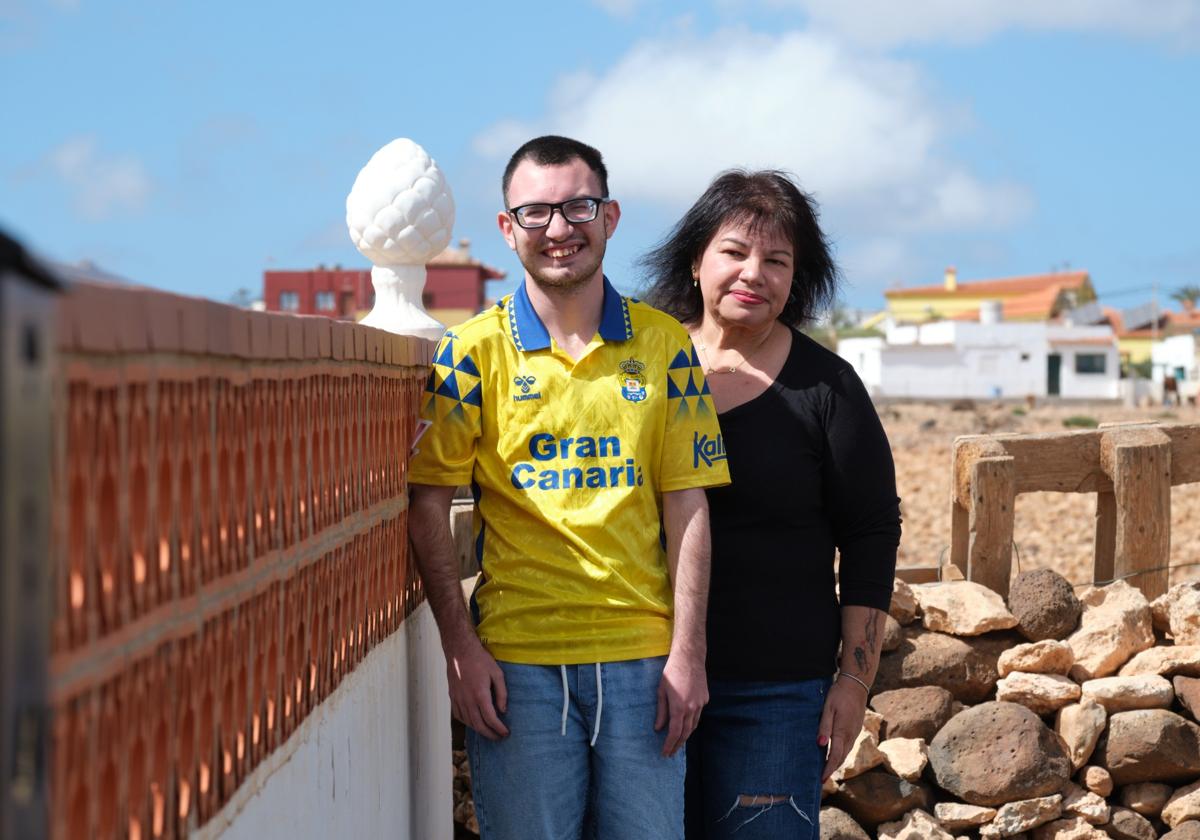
(612, 215)
(505, 222)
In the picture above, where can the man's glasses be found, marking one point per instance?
(577, 211)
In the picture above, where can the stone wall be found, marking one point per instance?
(1051, 716)
(228, 543)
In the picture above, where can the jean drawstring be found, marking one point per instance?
(567, 702)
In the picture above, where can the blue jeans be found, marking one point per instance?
(536, 783)
(753, 764)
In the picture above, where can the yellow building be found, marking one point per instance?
(1036, 297)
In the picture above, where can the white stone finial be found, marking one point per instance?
(400, 213)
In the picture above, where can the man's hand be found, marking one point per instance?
(682, 693)
(841, 721)
(473, 676)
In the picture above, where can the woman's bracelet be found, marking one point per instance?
(866, 687)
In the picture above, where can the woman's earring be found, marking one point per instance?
(695, 278)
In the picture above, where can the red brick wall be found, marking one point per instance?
(229, 542)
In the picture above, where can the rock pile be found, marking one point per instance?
(1050, 717)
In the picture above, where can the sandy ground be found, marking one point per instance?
(1054, 530)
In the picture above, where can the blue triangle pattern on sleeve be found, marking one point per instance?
(704, 391)
(691, 390)
(449, 387)
(695, 358)
(446, 356)
(467, 365)
(673, 392)
(680, 361)
(475, 396)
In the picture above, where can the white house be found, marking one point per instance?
(988, 359)
(1176, 356)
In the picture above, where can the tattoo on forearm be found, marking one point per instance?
(863, 655)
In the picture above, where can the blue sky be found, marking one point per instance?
(189, 146)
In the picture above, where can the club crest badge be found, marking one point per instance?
(633, 381)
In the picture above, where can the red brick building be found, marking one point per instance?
(454, 288)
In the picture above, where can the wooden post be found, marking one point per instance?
(1106, 536)
(960, 534)
(993, 498)
(1139, 462)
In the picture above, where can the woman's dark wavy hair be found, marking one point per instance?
(763, 200)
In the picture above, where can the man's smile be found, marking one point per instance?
(563, 252)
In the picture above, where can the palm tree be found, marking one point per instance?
(1186, 296)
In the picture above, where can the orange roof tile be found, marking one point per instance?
(1038, 304)
(1005, 286)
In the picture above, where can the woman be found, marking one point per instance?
(811, 471)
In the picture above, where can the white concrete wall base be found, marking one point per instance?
(373, 760)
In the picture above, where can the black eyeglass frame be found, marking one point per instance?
(597, 201)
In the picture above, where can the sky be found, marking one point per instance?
(189, 146)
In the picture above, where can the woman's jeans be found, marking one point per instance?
(537, 783)
(753, 764)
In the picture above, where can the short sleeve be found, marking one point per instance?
(445, 453)
(693, 452)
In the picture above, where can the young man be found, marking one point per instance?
(582, 421)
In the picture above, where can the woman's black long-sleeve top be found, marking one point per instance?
(811, 471)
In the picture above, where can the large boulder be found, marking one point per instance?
(1165, 662)
(962, 608)
(913, 712)
(967, 669)
(1048, 656)
(862, 756)
(1150, 745)
(1189, 830)
(1125, 824)
(916, 825)
(1183, 805)
(994, 753)
(1044, 605)
(877, 796)
(1040, 693)
(1124, 694)
(836, 824)
(1080, 726)
(1115, 625)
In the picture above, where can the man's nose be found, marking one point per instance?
(558, 227)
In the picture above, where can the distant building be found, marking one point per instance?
(1036, 297)
(1139, 328)
(988, 359)
(454, 288)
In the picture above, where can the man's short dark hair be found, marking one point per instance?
(553, 150)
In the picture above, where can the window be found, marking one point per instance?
(1024, 357)
(289, 301)
(1090, 362)
(326, 301)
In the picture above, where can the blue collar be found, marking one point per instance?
(529, 333)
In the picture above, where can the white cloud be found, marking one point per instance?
(857, 131)
(884, 23)
(101, 186)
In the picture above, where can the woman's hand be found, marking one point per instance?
(841, 721)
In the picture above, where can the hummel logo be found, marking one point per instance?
(523, 382)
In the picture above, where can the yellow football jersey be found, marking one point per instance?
(568, 460)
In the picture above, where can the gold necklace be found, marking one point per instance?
(709, 370)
